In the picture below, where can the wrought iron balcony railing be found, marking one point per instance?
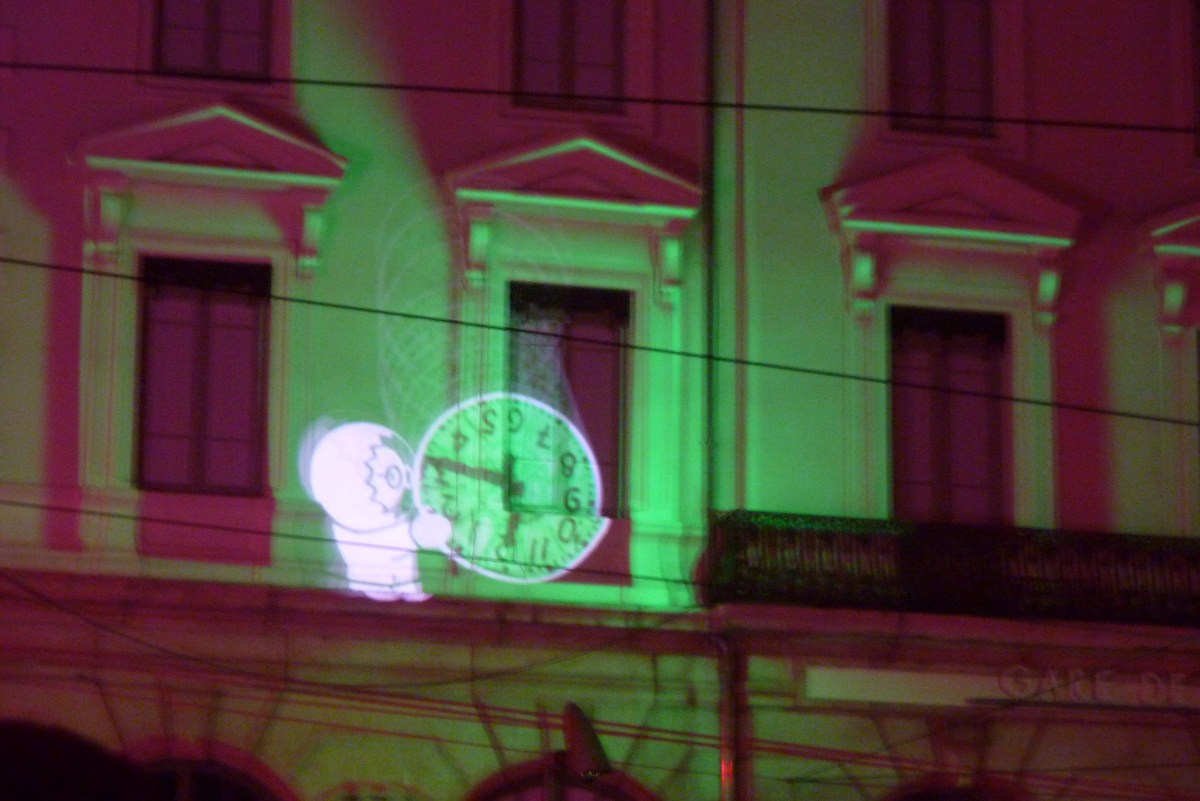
(853, 563)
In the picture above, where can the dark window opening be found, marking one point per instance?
(201, 781)
(228, 39)
(940, 66)
(949, 446)
(570, 352)
(568, 54)
(203, 376)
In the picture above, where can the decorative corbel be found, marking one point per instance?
(109, 208)
(479, 220)
(1046, 293)
(666, 254)
(862, 279)
(313, 229)
(1173, 295)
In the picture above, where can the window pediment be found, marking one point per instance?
(951, 202)
(214, 146)
(240, 162)
(579, 176)
(955, 198)
(584, 182)
(1174, 238)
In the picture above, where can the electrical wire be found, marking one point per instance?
(652, 100)
(627, 634)
(814, 372)
(224, 528)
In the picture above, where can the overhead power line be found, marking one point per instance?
(223, 528)
(651, 100)
(734, 361)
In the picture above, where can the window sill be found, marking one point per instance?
(206, 528)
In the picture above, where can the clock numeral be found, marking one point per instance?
(567, 463)
(539, 553)
(571, 501)
(460, 440)
(487, 421)
(516, 418)
(543, 440)
(568, 531)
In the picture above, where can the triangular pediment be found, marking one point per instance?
(214, 144)
(953, 197)
(1176, 232)
(580, 169)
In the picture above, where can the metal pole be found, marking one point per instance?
(735, 774)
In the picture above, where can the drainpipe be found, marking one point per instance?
(735, 766)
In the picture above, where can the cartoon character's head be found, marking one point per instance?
(358, 474)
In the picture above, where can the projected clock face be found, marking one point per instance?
(519, 484)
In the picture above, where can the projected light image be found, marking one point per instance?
(359, 475)
(519, 484)
(503, 484)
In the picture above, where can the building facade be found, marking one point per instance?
(799, 396)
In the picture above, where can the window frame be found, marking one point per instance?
(944, 324)
(272, 83)
(567, 64)
(213, 32)
(205, 287)
(637, 237)
(639, 69)
(1008, 71)
(933, 118)
(917, 277)
(137, 203)
(1184, 36)
(1174, 240)
(614, 470)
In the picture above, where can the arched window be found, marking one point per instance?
(195, 780)
(945, 788)
(540, 781)
(54, 764)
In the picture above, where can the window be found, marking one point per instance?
(548, 779)
(569, 352)
(203, 376)
(569, 54)
(1193, 50)
(194, 780)
(940, 66)
(214, 38)
(948, 427)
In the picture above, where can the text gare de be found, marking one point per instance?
(1100, 686)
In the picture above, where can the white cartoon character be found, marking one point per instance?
(359, 476)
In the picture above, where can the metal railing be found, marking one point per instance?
(854, 563)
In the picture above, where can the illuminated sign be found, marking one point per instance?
(503, 484)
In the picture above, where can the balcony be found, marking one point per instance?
(1032, 574)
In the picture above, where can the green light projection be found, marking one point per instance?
(518, 482)
(951, 232)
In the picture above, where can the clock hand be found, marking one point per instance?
(515, 488)
(462, 468)
(510, 535)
